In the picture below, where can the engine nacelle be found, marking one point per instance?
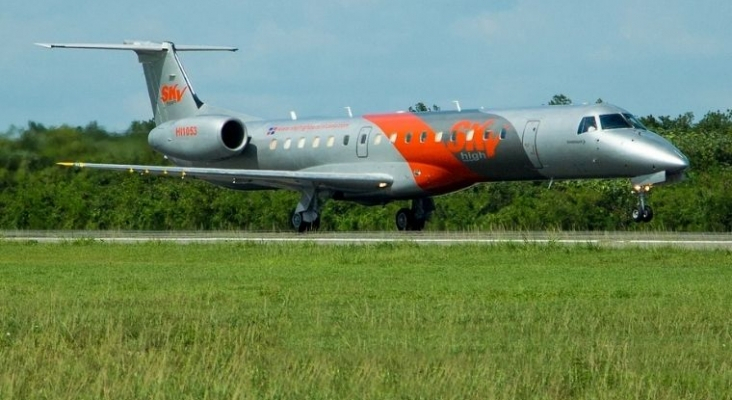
(202, 138)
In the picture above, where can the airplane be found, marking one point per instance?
(379, 158)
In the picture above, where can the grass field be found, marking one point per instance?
(87, 320)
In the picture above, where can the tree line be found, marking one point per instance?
(37, 194)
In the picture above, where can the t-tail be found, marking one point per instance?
(171, 95)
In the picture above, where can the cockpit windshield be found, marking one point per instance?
(620, 121)
(610, 121)
(588, 124)
(635, 121)
(614, 121)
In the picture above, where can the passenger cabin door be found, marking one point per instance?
(362, 145)
(529, 141)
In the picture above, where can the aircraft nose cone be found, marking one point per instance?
(658, 154)
(650, 153)
(670, 159)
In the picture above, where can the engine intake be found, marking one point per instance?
(203, 138)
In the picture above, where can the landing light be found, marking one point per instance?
(383, 185)
(639, 188)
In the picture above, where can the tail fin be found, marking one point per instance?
(171, 94)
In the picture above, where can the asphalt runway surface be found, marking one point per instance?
(611, 239)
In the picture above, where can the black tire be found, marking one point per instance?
(418, 224)
(404, 219)
(647, 214)
(637, 215)
(298, 223)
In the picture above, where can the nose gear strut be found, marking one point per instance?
(643, 212)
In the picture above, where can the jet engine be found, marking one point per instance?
(202, 138)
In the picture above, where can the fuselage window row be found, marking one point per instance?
(378, 138)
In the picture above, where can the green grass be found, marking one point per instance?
(85, 320)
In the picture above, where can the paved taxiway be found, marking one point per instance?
(611, 239)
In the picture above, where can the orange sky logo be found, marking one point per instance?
(474, 141)
(170, 94)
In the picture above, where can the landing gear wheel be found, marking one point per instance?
(418, 223)
(637, 215)
(644, 214)
(407, 221)
(647, 214)
(415, 218)
(404, 219)
(298, 223)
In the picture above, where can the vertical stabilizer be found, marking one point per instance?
(171, 94)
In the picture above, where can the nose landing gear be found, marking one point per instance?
(643, 212)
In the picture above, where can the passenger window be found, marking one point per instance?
(287, 144)
(377, 139)
(316, 141)
(423, 137)
(273, 144)
(588, 124)
(301, 143)
(453, 136)
(363, 138)
(346, 139)
(393, 138)
(503, 133)
(486, 134)
(408, 137)
(469, 136)
(438, 137)
(331, 141)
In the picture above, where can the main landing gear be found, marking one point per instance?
(306, 216)
(643, 212)
(414, 219)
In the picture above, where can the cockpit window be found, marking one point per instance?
(635, 121)
(588, 124)
(614, 121)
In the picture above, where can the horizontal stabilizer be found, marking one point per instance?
(171, 95)
(135, 46)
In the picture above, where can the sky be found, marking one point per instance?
(651, 57)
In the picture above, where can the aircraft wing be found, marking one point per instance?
(294, 180)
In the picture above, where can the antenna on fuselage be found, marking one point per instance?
(350, 113)
(457, 105)
(293, 116)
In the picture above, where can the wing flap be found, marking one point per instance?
(294, 180)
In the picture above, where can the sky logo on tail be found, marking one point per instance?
(170, 94)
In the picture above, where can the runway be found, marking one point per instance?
(606, 239)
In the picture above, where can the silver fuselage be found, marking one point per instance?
(439, 152)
